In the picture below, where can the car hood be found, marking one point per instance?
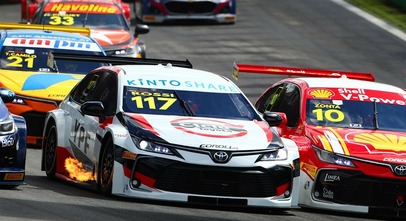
(376, 145)
(53, 86)
(108, 38)
(204, 133)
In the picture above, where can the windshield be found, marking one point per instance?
(96, 19)
(356, 114)
(188, 103)
(35, 59)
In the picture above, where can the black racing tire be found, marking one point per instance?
(49, 151)
(106, 166)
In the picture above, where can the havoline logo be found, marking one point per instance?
(209, 128)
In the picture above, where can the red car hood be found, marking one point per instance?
(111, 37)
(376, 145)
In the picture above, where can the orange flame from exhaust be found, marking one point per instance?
(76, 170)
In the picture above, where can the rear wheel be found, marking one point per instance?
(106, 166)
(49, 151)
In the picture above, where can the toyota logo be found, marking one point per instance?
(400, 170)
(220, 156)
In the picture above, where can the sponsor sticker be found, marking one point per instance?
(52, 43)
(331, 178)
(14, 176)
(358, 94)
(328, 194)
(310, 169)
(128, 155)
(209, 128)
(82, 8)
(177, 84)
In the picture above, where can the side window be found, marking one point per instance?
(84, 90)
(270, 99)
(106, 92)
(290, 104)
(98, 86)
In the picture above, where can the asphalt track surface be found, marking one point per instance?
(305, 33)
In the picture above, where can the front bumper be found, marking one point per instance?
(353, 191)
(164, 179)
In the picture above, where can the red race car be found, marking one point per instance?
(28, 8)
(109, 21)
(351, 134)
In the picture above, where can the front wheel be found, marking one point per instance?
(49, 151)
(106, 166)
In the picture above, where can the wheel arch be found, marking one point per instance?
(58, 119)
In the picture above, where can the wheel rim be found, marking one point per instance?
(50, 150)
(107, 168)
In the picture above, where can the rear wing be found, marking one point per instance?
(71, 29)
(52, 57)
(302, 72)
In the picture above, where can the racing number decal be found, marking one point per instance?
(20, 59)
(332, 115)
(61, 20)
(151, 99)
(328, 112)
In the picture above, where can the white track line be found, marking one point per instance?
(384, 25)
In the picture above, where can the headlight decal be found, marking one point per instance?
(7, 126)
(149, 146)
(333, 158)
(280, 154)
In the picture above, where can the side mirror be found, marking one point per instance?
(277, 119)
(141, 29)
(93, 108)
(7, 95)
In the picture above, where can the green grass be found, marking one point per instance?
(384, 9)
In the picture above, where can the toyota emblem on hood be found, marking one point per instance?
(400, 170)
(220, 157)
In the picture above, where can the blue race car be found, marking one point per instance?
(13, 137)
(24, 69)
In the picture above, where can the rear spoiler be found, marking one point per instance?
(71, 29)
(113, 60)
(302, 72)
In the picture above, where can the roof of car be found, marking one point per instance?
(350, 83)
(170, 77)
(48, 39)
(39, 34)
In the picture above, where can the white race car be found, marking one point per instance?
(163, 130)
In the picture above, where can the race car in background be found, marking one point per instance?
(158, 129)
(13, 134)
(24, 68)
(107, 19)
(28, 8)
(351, 134)
(158, 11)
